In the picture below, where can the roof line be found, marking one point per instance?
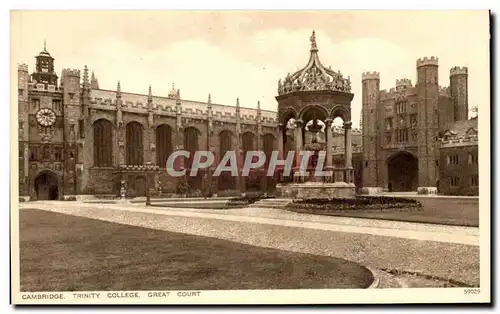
(163, 97)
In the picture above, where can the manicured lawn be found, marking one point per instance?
(446, 211)
(67, 253)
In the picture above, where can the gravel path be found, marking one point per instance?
(453, 261)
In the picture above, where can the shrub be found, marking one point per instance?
(182, 186)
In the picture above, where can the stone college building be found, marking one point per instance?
(78, 139)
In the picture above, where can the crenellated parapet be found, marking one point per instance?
(404, 82)
(427, 61)
(458, 71)
(444, 91)
(341, 151)
(22, 67)
(337, 130)
(370, 76)
(388, 93)
(71, 72)
(42, 88)
(138, 104)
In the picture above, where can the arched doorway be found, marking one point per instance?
(46, 186)
(140, 186)
(403, 172)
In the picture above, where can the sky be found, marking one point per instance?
(243, 54)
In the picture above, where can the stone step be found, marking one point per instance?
(180, 199)
(274, 206)
(271, 203)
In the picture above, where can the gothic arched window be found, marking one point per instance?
(163, 144)
(190, 144)
(225, 142)
(103, 143)
(226, 180)
(248, 143)
(268, 147)
(134, 144)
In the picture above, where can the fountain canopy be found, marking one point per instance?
(314, 76)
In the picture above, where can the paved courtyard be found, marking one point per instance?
(402, 254)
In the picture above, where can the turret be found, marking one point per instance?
(23, 120)
(118, 91)
(150, 108)
(22, 82)
(238, 123)
(209, 116)
(71, 83)
(403, 83)
(259, 112)
(150, 97)
(44, 69)
(428, 120)
(86, 93)
(370, 101)
(459, 92)
(94, 83)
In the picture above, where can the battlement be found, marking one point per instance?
(42, 88)
(427, 61)
(138, 103)
(458, 71)
(22, 67)
(370, 76)
(337, 130)
(71, 72)
(466, 140)
(403, 83)
(444, 91)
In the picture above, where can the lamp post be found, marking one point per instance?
(122, 190)
(150, 170)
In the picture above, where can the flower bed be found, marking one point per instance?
(360, 203)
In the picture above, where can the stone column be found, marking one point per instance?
(121, 143)
(348, 152)
(298, 148)
(281, 151)
(329, 144)
(214, 181)
(236, 147)
(242, 179)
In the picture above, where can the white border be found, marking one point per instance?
(91, 4)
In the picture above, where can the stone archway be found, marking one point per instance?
(46, 185)
(402, 169)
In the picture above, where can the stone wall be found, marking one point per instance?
(464, 170)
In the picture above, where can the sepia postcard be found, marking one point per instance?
(250, 157)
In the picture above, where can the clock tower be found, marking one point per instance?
(44, 70)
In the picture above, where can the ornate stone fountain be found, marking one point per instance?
(315, 93)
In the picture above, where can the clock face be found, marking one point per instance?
(46, 117)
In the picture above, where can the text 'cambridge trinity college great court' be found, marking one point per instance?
(77, 139)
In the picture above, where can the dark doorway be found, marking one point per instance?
(46, 187)
(403, 172)
(140, 186)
